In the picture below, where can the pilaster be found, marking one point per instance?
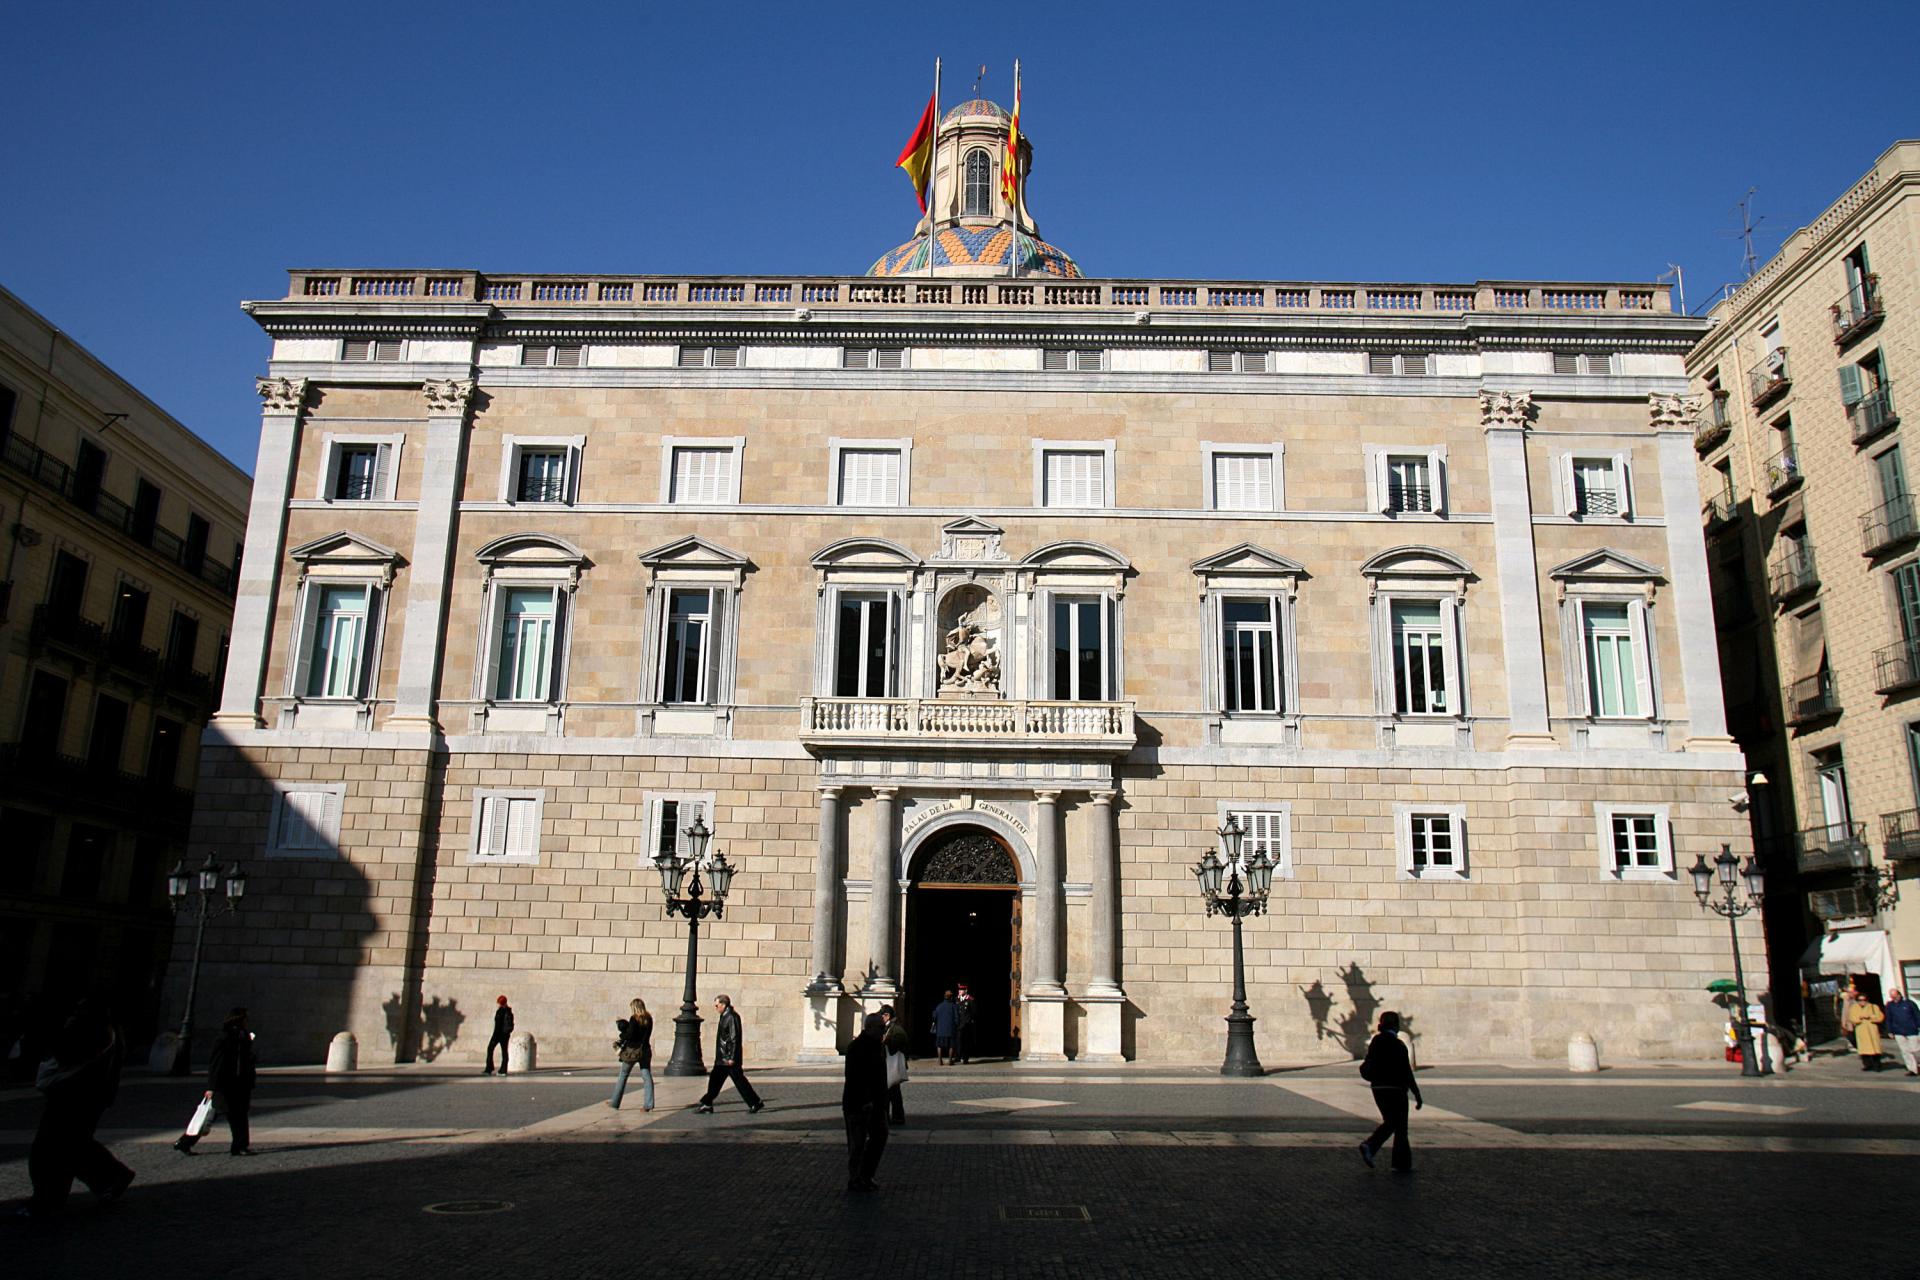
(1504, 416)
(1104, 1000)
(1672, 421)
(880, 985)
(1043, 1035)
(284, 404)
(442, 469)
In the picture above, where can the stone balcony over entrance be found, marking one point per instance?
(937, 722)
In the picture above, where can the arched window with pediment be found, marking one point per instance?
(979, 189)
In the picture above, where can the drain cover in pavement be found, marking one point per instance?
(1045, 1213)
(470, 1206)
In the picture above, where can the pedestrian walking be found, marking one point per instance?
(863, 1102)
(230, 1080)
(636, 1050)
(1388, 1069)
(896, 1042)
(79, 1082)
(963, 1024)
(729, 1048)
(1903, 1024)
(502, 1034)
(1861, 1020)
(946, 1025)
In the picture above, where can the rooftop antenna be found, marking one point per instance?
(978, 78)
(1748, 225)
(1680, 282)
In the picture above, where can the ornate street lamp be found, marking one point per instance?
(686, 1059)
(197, 892)
(1236, 886)
(1726, 869)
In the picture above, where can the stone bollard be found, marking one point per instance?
(343, 1054)
(521, 1051)
(1583, 1056)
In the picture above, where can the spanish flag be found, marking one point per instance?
(1010, 164)
(917, 156)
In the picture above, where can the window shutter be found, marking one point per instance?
(1253, 361)
(535, 354)
(570, 483)
(726, 357)
(558, 649)
(1567, 477)
(1437, 481)
(356, 349)
(1414, 364)
(496, 621)
(856, 358)
(891, 357)
(1380, 362)
(1219, 362)
(383, 472)
(1054, 360)
(302, 670)
(1623, 482)
(567, 355)
(523, 828)
(333, 472)
(387, 349)
(369, 634)
(1089, 361)
(1566, 362)
(1850, 388)
(693, 357)
(1642, 658)
(1073, 479)
(1382, 496)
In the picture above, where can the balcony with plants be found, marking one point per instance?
(1858, 310)
(1769, 380)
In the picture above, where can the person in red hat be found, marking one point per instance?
(502, 1033)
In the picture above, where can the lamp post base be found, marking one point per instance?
(1241, 1058)
(686, 1060)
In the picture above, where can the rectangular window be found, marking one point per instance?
(869, 478)
(873, 358)
(1243, 481)
(108, 741)
(1419, 658)
(1613, 679)
(1597, 488)
(506, 826)
(709, 357)
(306, 820)
(1081, 648)
(1409, 483)
(355, 350)
(1236, 361)
(339, 641)
(1074, 360)
(556, 355)
(46, 715)
(1836, 808)
(1250, 655)
(864, 646)
(360, 470)
(542, 476)
(1074, 478)
(1400, 364)
(685, 657)
(1636, 841)
(703, 476)
(163, 752)
(526, 644)
(670, 816)
(1431, 842)
(1266, 832)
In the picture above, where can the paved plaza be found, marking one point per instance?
(1001, 1171)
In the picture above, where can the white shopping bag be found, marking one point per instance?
(202, 1119)
(896, 1070)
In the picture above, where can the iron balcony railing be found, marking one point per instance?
(1718, 510)
(1409, 497)
(1715, 423)
(1896, 667)
(1812, 698)
(1793, 574)
(1769, 380)
(1783, 471)
(1888, 525)
(1858, 310)
(542, 489)
(42, 467)
(92, 788)
(1832, 846)
(357, 487)
(1900, 834)
(1872, 413)
(1840, 904)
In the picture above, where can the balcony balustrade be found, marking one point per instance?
(1715, 423)
(1858, 310)
(1718, 510)
(48, 775)
(1832, 846)
(1793, 574)
(1812, 698)
(1769, 380)
(1888, 525)
(916, 721)
(1840, 904)
(1896, 667)
(1872, 414)
(1783, 471)
(1900, 834)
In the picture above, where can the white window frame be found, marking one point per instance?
(333, 803)
(489, 807)
(1565, 466)
(1456, 815)
(1449, 652)
(310, 639)
(386, 468)
(1379, 491)
(512, 448)
(1637, 632)
(1604, 812)
(711, 622)
(656, 806)
(896, 674)
(670, 447)
(1275, 452)
(1043, 449)
(838, 446)
(692, 564)
(1110, 636)
(1285, 682)
(559, 621)
(1280, 839)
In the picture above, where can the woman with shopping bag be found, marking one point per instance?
(230, 1077)
(896, 1042)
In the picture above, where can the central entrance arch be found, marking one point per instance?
(963, 925)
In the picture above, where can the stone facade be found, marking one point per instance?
(1005, 592)
(1814, 538)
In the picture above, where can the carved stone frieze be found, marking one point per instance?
(447, 396)
(1507, 409)
(1672, 413)
(281, 395)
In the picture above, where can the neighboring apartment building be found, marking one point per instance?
(963, 607)
(1816, 559)
(122, 532)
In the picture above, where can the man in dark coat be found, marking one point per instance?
(1388, 1069)
(502, 1034)
(863, 1101)
(728, 1058)
(230, 1080)
(895, 1039)
(79, 1083)
(963, 1024)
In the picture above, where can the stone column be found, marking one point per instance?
(826, 998)
(1044, 1035)
(259, 583)
(442, 469)
(881, 927)
(1691, 593)
(1104, 999)
(1504, 416)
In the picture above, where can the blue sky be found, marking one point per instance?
(163, 162)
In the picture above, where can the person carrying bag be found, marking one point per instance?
(896, 1044)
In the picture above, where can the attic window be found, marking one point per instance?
(1402, 364)
(360, 350)
(557, 355)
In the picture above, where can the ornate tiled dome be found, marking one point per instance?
(975, 107)
(987, 247)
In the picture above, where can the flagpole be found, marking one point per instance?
(1013, 206)
(933, 169)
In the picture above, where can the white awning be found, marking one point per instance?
(1854, 951)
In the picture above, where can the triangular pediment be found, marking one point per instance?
(344, 548)
(971, 539)
(1607, 565)
(871, 552)
(971, 525)
(693, 551)
(1248, 558)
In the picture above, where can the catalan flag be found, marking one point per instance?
(917, 156)
(1010, 165)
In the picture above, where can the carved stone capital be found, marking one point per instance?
(1506, 409)
(1672, 413)
(447, 396)
(281, 395)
